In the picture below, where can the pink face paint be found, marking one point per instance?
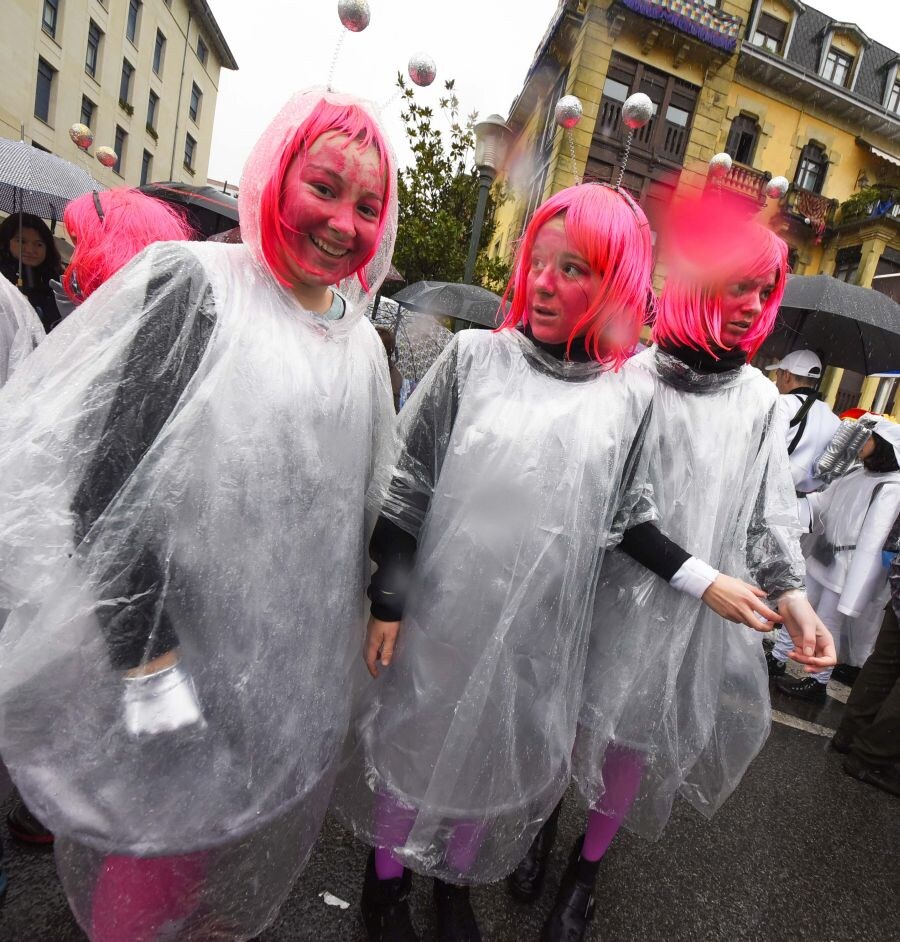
(560, 284)
(741, 305)
(331, 204)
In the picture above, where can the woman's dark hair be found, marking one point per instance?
(883, 459)
(9, 229)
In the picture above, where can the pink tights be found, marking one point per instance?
(622, 771)
(136, 896)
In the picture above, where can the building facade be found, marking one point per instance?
(142, 74)
(785, 89)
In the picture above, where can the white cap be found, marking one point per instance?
(800, 363)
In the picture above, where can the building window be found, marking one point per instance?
(125, 82)
(742, 139)
(92, 59)
(152, 103)
(146, 167)
(131, 24)
(196, 98)
(770, 33)
(159, 52)
(846, 263)
(811, 169)
(894, 98)
(190, 151)
(837, 67)
(88, 108)
(50, 17)
(121, 143)
(43, 90)
(202, 51)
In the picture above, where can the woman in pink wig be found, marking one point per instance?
(521, 464)
(674, 700)
(182, 540)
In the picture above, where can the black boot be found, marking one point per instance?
(527, 880)
(574, 907)
(804, 688)
(776, 667)
(385, 910)
(455, 919)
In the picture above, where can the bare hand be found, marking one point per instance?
(740, 602)
(813, 644)
(381, 636)
(158, 664)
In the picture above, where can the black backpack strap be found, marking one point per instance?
(800, 419)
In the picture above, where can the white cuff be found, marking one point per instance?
(694, 577)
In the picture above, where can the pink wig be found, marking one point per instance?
(357, 126)
(130, 222)
(611, 232)
(709, 258)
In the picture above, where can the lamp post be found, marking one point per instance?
(492, 138)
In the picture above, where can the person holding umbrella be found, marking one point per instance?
(30, 260)
(810, 423)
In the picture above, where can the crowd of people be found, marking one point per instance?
(576, 549)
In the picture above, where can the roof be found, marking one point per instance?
(200, 9)
(806, 49)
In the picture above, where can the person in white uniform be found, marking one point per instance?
(845, 576)
(810, 422)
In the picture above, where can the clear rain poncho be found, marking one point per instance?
(670, 685)
(516, 473)
(20, 329)
(184, 465)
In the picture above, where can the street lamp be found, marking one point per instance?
(492, 137)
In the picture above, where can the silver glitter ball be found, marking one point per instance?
(568, 111)
(720, 165)
(107, 156)
(777, 187)
(637, 110)
(354, 14)
(81, 135)
(422, 69)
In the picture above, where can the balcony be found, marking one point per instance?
(870, 205)
(661, 139)
(809, 210)
(747, 182)
(693, 18)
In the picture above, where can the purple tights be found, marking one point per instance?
(622, 771)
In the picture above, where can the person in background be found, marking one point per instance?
(27, 249)
(845, 574)
(869, 733)
(810, 423)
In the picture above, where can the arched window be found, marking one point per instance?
(742, 139)
(811, 169)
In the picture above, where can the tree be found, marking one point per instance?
(437, 196)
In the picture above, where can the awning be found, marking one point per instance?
(878, 152)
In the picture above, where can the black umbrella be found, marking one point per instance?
(209, 210)
(446, 299)
(850, 327)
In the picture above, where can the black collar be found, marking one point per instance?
(720, 361)
(577, 353)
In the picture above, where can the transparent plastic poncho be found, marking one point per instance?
(516, 473)
(184, 466)
(20, 329)
(670, 686)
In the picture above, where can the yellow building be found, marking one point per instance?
(785, 89)
(142, 74)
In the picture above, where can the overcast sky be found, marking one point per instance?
(486, 45)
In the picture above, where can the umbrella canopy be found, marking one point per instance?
(210, 211)
(33, 181)
(419, 338)
(851, 327)
(446, 299)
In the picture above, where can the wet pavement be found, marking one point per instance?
(800, 853)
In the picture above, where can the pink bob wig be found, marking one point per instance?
(357, 126)
(612, 234)
(109, 229)
(689, 312)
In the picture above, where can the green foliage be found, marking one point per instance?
(863, 201)
(437, 196)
